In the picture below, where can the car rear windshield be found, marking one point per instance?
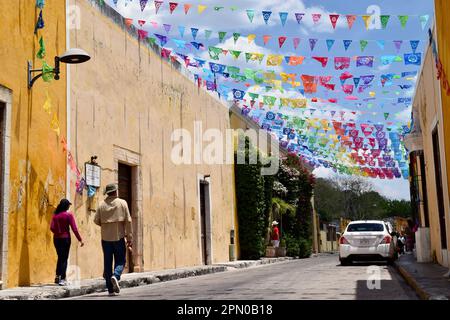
(365, 227)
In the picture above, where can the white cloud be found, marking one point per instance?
(404, 116)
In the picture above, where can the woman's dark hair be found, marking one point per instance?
(63, 206)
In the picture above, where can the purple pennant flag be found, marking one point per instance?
(367, 79)
(162, 39)
(398, 44)
(299, 17)
(143, 4)
(312, 43)
(379, 127)
(364, 61)
(167, 27)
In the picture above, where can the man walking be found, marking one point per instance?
(114, 219)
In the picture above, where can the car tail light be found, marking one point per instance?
(386, 240)
(342, 240)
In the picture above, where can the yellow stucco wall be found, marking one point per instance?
(442, 8)
(126, 100)
(37, 162)
(427, 103)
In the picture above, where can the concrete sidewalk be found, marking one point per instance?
(425, 278)
(52, 291)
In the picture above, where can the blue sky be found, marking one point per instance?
(372, 103)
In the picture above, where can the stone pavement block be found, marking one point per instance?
(427, 279)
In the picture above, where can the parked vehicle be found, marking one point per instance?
(368, 240)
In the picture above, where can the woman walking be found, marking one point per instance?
(62, 221)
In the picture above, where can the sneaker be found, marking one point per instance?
(57, 279)
(115, 284)
(63, 283)
(112, 294)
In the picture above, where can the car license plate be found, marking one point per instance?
(364, 242)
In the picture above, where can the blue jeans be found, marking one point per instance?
(116, 250)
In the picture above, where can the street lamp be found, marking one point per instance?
(72, 56)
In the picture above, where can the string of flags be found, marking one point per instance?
(306, 118)
(316, 18)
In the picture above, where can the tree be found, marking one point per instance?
(353, 187)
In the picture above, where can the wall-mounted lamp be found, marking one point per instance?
(72, 56)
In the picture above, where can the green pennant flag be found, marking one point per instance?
(268, 88)
(232, 70)
(384, 20)
(208, 34)
(233, 8)
(269, 100)
(363, 44)
(250, 73)
(248, 55)
(252, 95)
(47, 72)
(235, 53)
(386, 115)
(403, 20)
(236, 36)
(222, 35)
(214, 52)
(258, 80)
(398, 59)
(41, 52)
(218, 8)
(151, 41)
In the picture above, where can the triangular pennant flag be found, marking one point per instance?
(40, 23)
(154, 24)
(351, 20)
(143, 4)
(299, 17)
(266, 39)
(54, 125)
(347, 44)
(172, 6)
(312, 43)
(398, 44)
(194, 32)
(187, 6)
(162, 39)
(356, 82)
(167, 27)
(414, 45)
(381, 44)
(316, 17)
(181, 29)
(222, 35)
(366, 21)
(141, 22)
(424, 20)
(283, 17)
(128, 22)
(384, 20)
(236, 37)
(266, 16)
(208, 34)
(218, 8)
(386, 115)
(281, 41)
(143, 34)
(403, 20)
(235, 54)
(250, 15)
(330, 43)
(296, 42)
(42, 51)
(251, 37)
(363, 44)
(334, 19)
(158, 5)
(201, 8)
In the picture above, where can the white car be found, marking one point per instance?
(367, 240)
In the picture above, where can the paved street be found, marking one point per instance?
(315, 278)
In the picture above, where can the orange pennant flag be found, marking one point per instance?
(187, 6)
(266, 39)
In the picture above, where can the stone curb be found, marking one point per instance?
(128, 281)
(421, 292)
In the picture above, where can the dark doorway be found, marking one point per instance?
(439, 190)
(204, 211)
(126, 193)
